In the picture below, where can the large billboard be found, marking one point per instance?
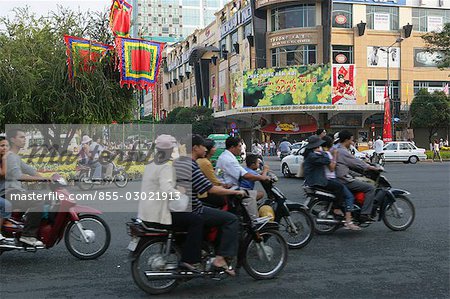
(378, 57)
(295, 85)
(422, 58)
(344, 91)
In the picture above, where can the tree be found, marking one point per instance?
(430, 111)
(199, 117)
(440, 43)
(34, 84)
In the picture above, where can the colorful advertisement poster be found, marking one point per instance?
(344, 91)
(377, 57)
(295, 85)
(236, 90)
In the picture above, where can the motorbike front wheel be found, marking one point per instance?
(324, 220)
(121, 179)
(266, 258)
(151, 257)
(302, 234)
(400, 214)
(92, 242)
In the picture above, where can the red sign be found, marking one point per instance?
(341, 58)
(340, 19)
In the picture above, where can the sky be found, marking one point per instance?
(42, 7)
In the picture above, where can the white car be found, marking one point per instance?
(291, 163)
(401, 151)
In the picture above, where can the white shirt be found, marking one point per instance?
(378, 146)
(328, 173)
(232, 170)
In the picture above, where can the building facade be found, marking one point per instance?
(264, 65)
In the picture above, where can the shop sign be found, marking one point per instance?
(291, 39)
(236, 20)
(381, 2)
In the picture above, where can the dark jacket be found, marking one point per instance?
(314, 169)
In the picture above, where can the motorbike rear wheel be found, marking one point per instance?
(400, 214)
(82, 181)
(76, 244)
(318, 210)
(266, 259)
(304, 224)
(149, 257)
(121, 179)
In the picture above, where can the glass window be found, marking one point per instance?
(165, 30)
(191, 16)
(191, 2)
(234, 40)
(431, 86)
(342, 15)
(294, 55)
(342, 54)
(404, 146)
(222, 45)
(176, 20)
(248, 30)
(376, 91)
(373, 11)
(391, 147)
(212, 3)
(164, 20)
(423, 18)
(297, 16)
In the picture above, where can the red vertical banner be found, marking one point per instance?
(387, 124)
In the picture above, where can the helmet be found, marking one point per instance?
(267, 211)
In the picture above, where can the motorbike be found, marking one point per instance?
(378, 159)
(155, 252)
(84, 181)
(86, 235)
(296, 224)
(394, 207)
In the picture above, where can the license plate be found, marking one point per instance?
(133, 244)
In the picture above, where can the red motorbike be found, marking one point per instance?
(86, 235)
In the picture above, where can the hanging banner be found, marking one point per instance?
(139, 62)
(82, 54)
(120, 18)
(435, 24)
(295, 85)
(378, 97)
(387, 123)
(344, 91)
(236, 90)
(377, 57)
(381, 21)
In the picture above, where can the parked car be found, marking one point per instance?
(401, 151)
(291, 163)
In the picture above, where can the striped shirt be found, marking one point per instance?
(190, 177)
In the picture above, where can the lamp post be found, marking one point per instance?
(388, 51)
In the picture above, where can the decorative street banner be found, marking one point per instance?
(344, 91)
(139, 62)
(377, 57)
(236, 90)
(387, 123)
(295, 85)
(82, 54)
(120, 18)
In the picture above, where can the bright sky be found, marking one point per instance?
(42, 7)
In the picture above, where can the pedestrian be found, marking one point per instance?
(446, 142)
(441, 143)
(266, 148)
(436, 151)
(273, 148)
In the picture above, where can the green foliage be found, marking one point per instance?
(34, 84)
(430, 111)
(440, 43)
(199, 117)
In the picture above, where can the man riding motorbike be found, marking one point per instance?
(5, 206)
(345, 161)
(378, 146)
(285, 147)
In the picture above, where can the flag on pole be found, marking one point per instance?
(120, 18)
(82, 54)
(225, 100)
(387, 124)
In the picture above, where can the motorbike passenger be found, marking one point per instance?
(233, 173)
(5, 205)
(331, 175)
(191, 178)
(18, 171)
(345, 161)
(159, 178)
(253, 164)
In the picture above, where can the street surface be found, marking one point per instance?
(373, 263)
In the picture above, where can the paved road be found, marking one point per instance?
(374, 263)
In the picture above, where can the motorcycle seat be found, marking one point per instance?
(318, 191)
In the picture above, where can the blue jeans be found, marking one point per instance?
(5, 208)
(348, 197)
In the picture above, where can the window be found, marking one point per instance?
(376, 91)
(405, 146)
(212, 3)
(248, 30)
(191, 2)
(234, 40)
(164, 20)
(342, 54)
(176, 20)
(391, 147)
(155, 20)
(342, 15)
(298, 16)
(191, 16)
(427, 20)
(431, 86)
(294, 55)
(382, 17)
(222, 45)
(165, 30)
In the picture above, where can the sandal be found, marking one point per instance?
(351, 226)
(224, 267)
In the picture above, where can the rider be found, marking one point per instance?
(5, 206)
(345, 161)
(378, 146)
(190, 177)
(233, 173)
(18, 171)
(253, 163)
(89, 156)
(285, 146)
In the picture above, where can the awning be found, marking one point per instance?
(198, 52)
(289, 128)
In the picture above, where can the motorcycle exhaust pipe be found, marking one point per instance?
(327, 221)
(160, 275)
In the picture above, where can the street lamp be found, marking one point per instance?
(388, 51)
